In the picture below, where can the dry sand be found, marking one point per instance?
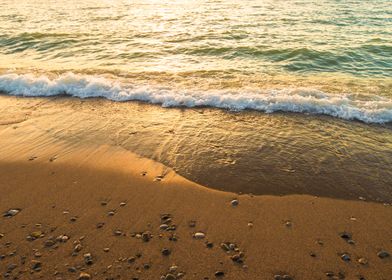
(103, 197)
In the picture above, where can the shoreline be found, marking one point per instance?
(274, 154)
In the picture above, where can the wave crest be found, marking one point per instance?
(365, 108)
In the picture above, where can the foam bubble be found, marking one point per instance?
(369, 109)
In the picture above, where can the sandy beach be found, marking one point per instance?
(76, 209)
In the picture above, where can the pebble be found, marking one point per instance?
(1, 235)
(225, 246)
(165, 252)
(234, 202)
(36, 234)
(250, 224)
(122, 204)
(111, 213)
(345, 257)
(219, 273)
(363, 261)
(100, 225)
(163, 227)
(170, 276)
(117, 232)
(106, 250)
(209, 244)
(383, 254)
(146, 236)
(283, 277)
(78, 247)
(62, 238)
(11, 267)
(49, 243)
(199, 235)
(11, 213)
(88, 259)
(72, 269)
(146, 266)
(84, 276)
(36, 265)
(173, 268)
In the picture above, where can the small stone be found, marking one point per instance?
(49, 243)
(329, 274)
(104, 203)
(111, 213)
(122, 204)
(383, 254)
(106, 250)
(1, 235)
(72, 269)
(84, 276)
(170, 276)
(146, 266)
(312, 254)
(363, 261)
(146, 236)
(11, 213)
(163, 227)
(234, 202)
(88, 259)
(219, 273)
(117, 232)
(173, 268)
(236, 258)
(209, 244)
(250, 224)
(288, 224)
(346, 236)
(37, 254)
(199, 235)
(78, 247)
(345, 257)
(100, 225)
(73, 219)
(36, 234)
(62, 238)
(131, 260)
(36, 265)
(225, 247)
(11, 267)
(166, 252)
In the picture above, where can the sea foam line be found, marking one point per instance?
(369, 109)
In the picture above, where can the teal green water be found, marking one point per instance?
(303, 36)
(320, 57)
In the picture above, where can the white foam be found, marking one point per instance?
(369, 109)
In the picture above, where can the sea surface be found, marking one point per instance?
(257, 96)
(320, 57)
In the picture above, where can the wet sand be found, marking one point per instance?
(276, 154)
(84, 207)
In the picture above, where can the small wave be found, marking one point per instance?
(365, 108)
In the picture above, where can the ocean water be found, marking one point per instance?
(325, 57)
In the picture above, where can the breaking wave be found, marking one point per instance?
(365, 108)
